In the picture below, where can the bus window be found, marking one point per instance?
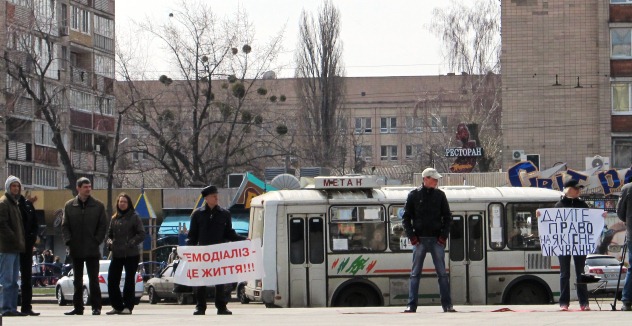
(397, 235)
(297, 241)
(357, 228)
(256, 226)
(522, 225)
(495, 214)
(316, 230)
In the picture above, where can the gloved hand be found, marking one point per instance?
(414, 240)
(441, 240)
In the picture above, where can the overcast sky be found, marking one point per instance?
(380, 37)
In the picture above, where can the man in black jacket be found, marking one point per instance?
(427, 221)
(211, 224)
(29, 220)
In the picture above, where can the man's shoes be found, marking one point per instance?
(410, 310)
(199, 313)
(96, 312)
(449, 309)
(585, 308)
(13, 314)
(224, 312)
(626, 307)
(126, 311)
(31, 313)
(564, 308)
(74, 312)
(114, 312)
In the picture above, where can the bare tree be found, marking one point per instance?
(212, 118)
(471, 37)
(37, 83)
(320, 87)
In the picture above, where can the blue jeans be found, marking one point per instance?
(626, 297)
(9, 276)
(437, 252)
(565, 275)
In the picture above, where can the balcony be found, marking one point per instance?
(19, 151)
(80, 77)
(82, 160)
(103, 43)
(46, 155)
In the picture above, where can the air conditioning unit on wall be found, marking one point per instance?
(518, 155)
(598, 161)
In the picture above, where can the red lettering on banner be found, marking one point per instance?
(238, 269)
(192, 273)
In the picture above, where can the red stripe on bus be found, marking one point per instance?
(383, 271)
(517, 268)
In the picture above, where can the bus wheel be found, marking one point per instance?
(357, 296)
(527, 293)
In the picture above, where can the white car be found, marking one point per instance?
(64, 288)
(607, 269)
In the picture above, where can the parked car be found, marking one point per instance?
(607, 269)
(149, 269)
(249, 291)
(64, 289)
(163, 287)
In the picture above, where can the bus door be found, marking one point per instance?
(467, 258)
(307, 268)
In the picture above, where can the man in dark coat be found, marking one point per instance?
(211, 224)
(29, 220)
(624, 212)
(83, 227)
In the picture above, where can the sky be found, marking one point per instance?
(380, 37)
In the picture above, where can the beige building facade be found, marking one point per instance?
(567, 82)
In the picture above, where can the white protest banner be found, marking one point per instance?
(569, 231)
(220, 264)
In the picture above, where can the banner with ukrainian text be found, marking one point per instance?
(220, 264)
(569, 231)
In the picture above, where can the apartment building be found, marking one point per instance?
(63, 52)
(567, 77)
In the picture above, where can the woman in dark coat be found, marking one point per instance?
(125, 234)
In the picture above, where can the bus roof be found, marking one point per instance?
(399, 194)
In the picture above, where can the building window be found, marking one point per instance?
(413, 151)
(621, 152)
(81, 101)
(45, 177)
(23, 172)
(438, 124)
(621, 42)
(80, 19)
(105, 106)
(44, 134)
(620, 1)
(104, 26)
(104, 66)
(138, 156)
(621, 95)
(342, 125)
(388, 125)
(363, 126)
(364, 152)
(414, 125)
(81, 142)
(388, 153)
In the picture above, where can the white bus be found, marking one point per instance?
(342, 243)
